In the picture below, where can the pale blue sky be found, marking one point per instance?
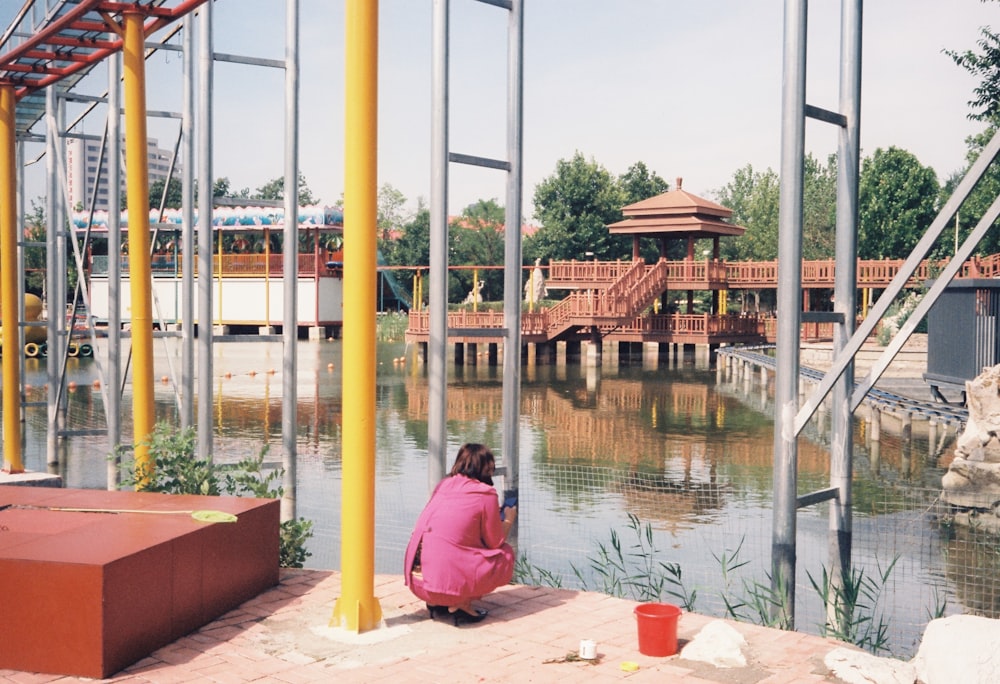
(692, 88)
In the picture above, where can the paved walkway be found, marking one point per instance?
(283, 636)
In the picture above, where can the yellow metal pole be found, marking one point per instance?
(219, 297)
(9, 306)
(267, 277)
(357, 609)
(475, 289)
(140, 279)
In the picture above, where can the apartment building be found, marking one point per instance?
(82, 169)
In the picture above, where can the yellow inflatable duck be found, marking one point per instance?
(34, 336)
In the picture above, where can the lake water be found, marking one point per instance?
(683, 449)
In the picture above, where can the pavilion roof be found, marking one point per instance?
(676, 213)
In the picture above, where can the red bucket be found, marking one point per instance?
(657, 628)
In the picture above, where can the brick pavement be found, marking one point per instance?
(283, 636)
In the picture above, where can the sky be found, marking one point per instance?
(690, 88)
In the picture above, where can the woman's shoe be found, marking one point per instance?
(461, 617)
(434, 611)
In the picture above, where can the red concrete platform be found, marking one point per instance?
(89, 593)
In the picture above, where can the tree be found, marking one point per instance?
(985, 107)
(639, 183)
(986, 66)
(477, 239)
(390, 217)
(575, 205)
(34, 257)
(819, 208)
(274, 189)
(897, 201)
(173, 198)
(753, 198)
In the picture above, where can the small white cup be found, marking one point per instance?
(588, 649)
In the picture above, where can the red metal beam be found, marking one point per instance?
(39, 46)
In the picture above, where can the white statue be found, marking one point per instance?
(534, 289)
(475, 295)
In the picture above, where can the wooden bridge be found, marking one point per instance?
(618, 300)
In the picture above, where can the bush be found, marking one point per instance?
(173, 468)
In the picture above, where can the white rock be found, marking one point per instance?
(959, 648)
(717, 644)
(859, 667)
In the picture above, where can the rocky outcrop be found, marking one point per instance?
(972, 484)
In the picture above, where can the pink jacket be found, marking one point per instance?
(463, 552)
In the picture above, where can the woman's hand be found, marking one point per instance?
(509, 515)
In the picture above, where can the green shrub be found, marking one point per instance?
(174, 468)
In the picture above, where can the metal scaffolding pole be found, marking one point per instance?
(187, 226)
(512, 252)
(290, 327)
(437, 340)
(786, 380)
(205, 318)
(845, 288)
(114, 377)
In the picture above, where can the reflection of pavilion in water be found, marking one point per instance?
(580, 428)
(674, 457)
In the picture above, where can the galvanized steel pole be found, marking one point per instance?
(512, 249)
(437, 302)
(845, 286)
(205, 330)
(786, 381)
(187, 225)
(114, 171)
(290, 263)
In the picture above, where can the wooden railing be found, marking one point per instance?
(236, 265)
(740, 275)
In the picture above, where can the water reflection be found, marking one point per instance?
(680, 446)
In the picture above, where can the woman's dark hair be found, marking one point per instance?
(473, 461)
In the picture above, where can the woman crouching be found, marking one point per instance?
(458, 551)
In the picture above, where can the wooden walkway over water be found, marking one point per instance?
(620, 301)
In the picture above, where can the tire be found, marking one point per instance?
(31, 350)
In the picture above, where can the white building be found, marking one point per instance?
(81, 163)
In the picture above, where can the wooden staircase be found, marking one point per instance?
(615, 306)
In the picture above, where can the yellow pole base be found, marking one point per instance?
(357, 616)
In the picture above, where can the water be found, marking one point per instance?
(681, 448)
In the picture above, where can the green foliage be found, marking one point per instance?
(897, 201)
(898, 313)
(174, 468)
(34, 257)
(984, 65)
(819, 208)
(274, 189)
(532, 575)
(170, 200)
(982, 195)
(852, 605)
(636, 574)
(639, 183)
(476, 238)
(756, 602)
(575, 205)
(391, 326)
(753, 198)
